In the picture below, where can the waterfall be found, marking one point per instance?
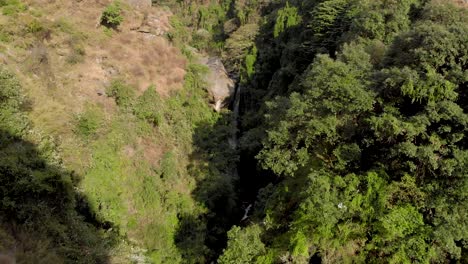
(234, 140)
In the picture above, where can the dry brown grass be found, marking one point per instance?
(59, 89)
(462, 3)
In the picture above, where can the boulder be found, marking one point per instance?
(220, 86)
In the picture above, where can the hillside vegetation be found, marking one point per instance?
(98, 127)
(349, 144)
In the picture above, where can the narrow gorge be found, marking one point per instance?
(233, 131)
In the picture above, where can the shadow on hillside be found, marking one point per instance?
(43, 219)
(213, 164)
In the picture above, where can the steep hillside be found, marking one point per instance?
(233, 131)
(120, 109)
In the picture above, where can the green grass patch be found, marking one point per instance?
(12, 7)
(123, 93)
(88, 123)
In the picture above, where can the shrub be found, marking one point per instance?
(12, 119)
(4, 36)
(34, 26)
(112, 15)
(123, 94)
(148, 106)
(88, 122)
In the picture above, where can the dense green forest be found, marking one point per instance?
(349, 139)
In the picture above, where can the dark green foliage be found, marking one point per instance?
(112, 15)
(329, 21)
(383, 20)
(323, 117)
(40, 213)
(368, 138)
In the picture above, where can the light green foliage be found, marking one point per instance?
(250, 62)
(199, 25)
(89, 121)
(12, 119)
(244, 245)
(179, 34)
(123, 93)
(34, 26)
(12, 7)
(287, 17)
(169, 166)
(299, 245)
(338, 213)
(112, 15)
(5, 36)
(148, 106)
(426, 86)
(127, 175)
(209, 16)
(401, 221)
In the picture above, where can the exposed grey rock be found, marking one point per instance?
(152, 24)
(220, 87)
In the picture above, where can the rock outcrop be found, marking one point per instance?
(220, 86)
(156, 23)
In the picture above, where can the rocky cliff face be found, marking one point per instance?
(220, 86)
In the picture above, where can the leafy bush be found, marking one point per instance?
(89, 122)
(4, 37)
(169, 166)
(12, 119)
(112, 16)
(244, 245)
(123, 94)
(148, 106)
(34, 26)
(287, 17)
